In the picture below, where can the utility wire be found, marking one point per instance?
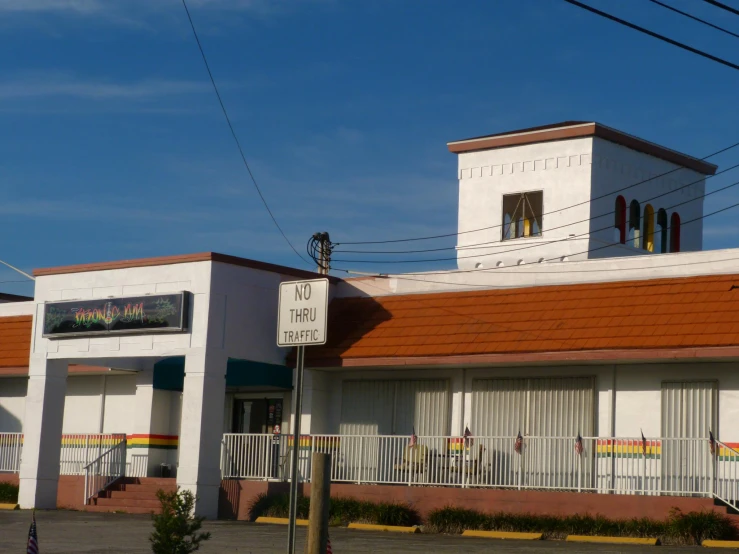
(487, 244)
(722, 6)
(235, 137)
(658, 36)
(686, 14)
(546, 213)
(6, 264)
(557, 258)
(700, 197)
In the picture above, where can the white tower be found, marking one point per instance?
(553, 193)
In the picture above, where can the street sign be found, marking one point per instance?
(301, 315)
(301, 322)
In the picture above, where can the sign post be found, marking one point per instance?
(301, 321)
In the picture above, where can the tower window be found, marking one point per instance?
(662, 235)
(620, 223)
(648, 242)
(634, 224)
(675, 232)
(522, 213)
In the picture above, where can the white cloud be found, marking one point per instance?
(92, 7)
(56, 85)
(83, 7)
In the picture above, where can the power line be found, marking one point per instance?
(656, 35)
(686, 14)
(6, 264)
(557, 258)
(235, 137)
(551, 242)
(487, 244)
(565, 270)
(722, 6)
(590, 200)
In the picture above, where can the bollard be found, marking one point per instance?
(320, 496)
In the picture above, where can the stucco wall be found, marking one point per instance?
(570, 173)
(12, 404)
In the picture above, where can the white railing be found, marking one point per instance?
(11, 445)
(137, 465)
(105, 469)
(79, 449)
(657, 466)
(727, 475)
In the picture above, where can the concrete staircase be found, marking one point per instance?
(134, 495)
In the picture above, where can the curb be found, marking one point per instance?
(9, 507)
(613, 540)
(720, 544)
(392, 528)
(280, 521)
(502, 535)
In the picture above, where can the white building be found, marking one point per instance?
(173, 360)
(549, 193)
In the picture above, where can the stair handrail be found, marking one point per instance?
(725, 463)
(95, 480)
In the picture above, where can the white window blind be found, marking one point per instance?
(395, 407)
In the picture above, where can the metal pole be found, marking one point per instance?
(295, 453)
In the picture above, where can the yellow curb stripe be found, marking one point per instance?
(392, 528)
(502, 535)
(280, 521)
(613, 540)
(721, 544)
(9, 507)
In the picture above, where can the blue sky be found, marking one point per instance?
(114, 146)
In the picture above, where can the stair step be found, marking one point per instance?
(128, 503)
(124, 509)
(141, 495)
(151, 481)
(152, 489)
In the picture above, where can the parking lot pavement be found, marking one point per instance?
(65, 532)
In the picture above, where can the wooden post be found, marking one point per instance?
(320, 496)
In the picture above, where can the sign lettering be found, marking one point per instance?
(155, 313)
(302, 313)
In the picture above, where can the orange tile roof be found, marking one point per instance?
(675, 313)
(15, 341)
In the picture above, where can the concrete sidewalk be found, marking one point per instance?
(65, 532)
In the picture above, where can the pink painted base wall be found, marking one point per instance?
(9, 478)
(238, 495)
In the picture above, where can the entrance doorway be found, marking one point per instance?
(257, 415)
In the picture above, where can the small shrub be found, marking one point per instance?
(690, 528)
(342, 511)
(695, 527)
(176, 531)
(8, 493)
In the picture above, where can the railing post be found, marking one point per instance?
(361, 459)
(520, 467)
(579, 473)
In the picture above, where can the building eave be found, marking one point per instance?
(630, 356)
(579, 130)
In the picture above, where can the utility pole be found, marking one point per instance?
(324, 252)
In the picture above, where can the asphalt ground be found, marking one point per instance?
(66, 532)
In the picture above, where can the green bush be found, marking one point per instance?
(8, 493)
(679, 528)
(695, 527)
(342, 511)
(176, 531)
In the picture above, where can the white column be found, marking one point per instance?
(42, 433)
(202, 429)
(152, 418)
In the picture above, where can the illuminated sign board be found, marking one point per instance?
(156, 313)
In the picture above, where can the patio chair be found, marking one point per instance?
(414, 459)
